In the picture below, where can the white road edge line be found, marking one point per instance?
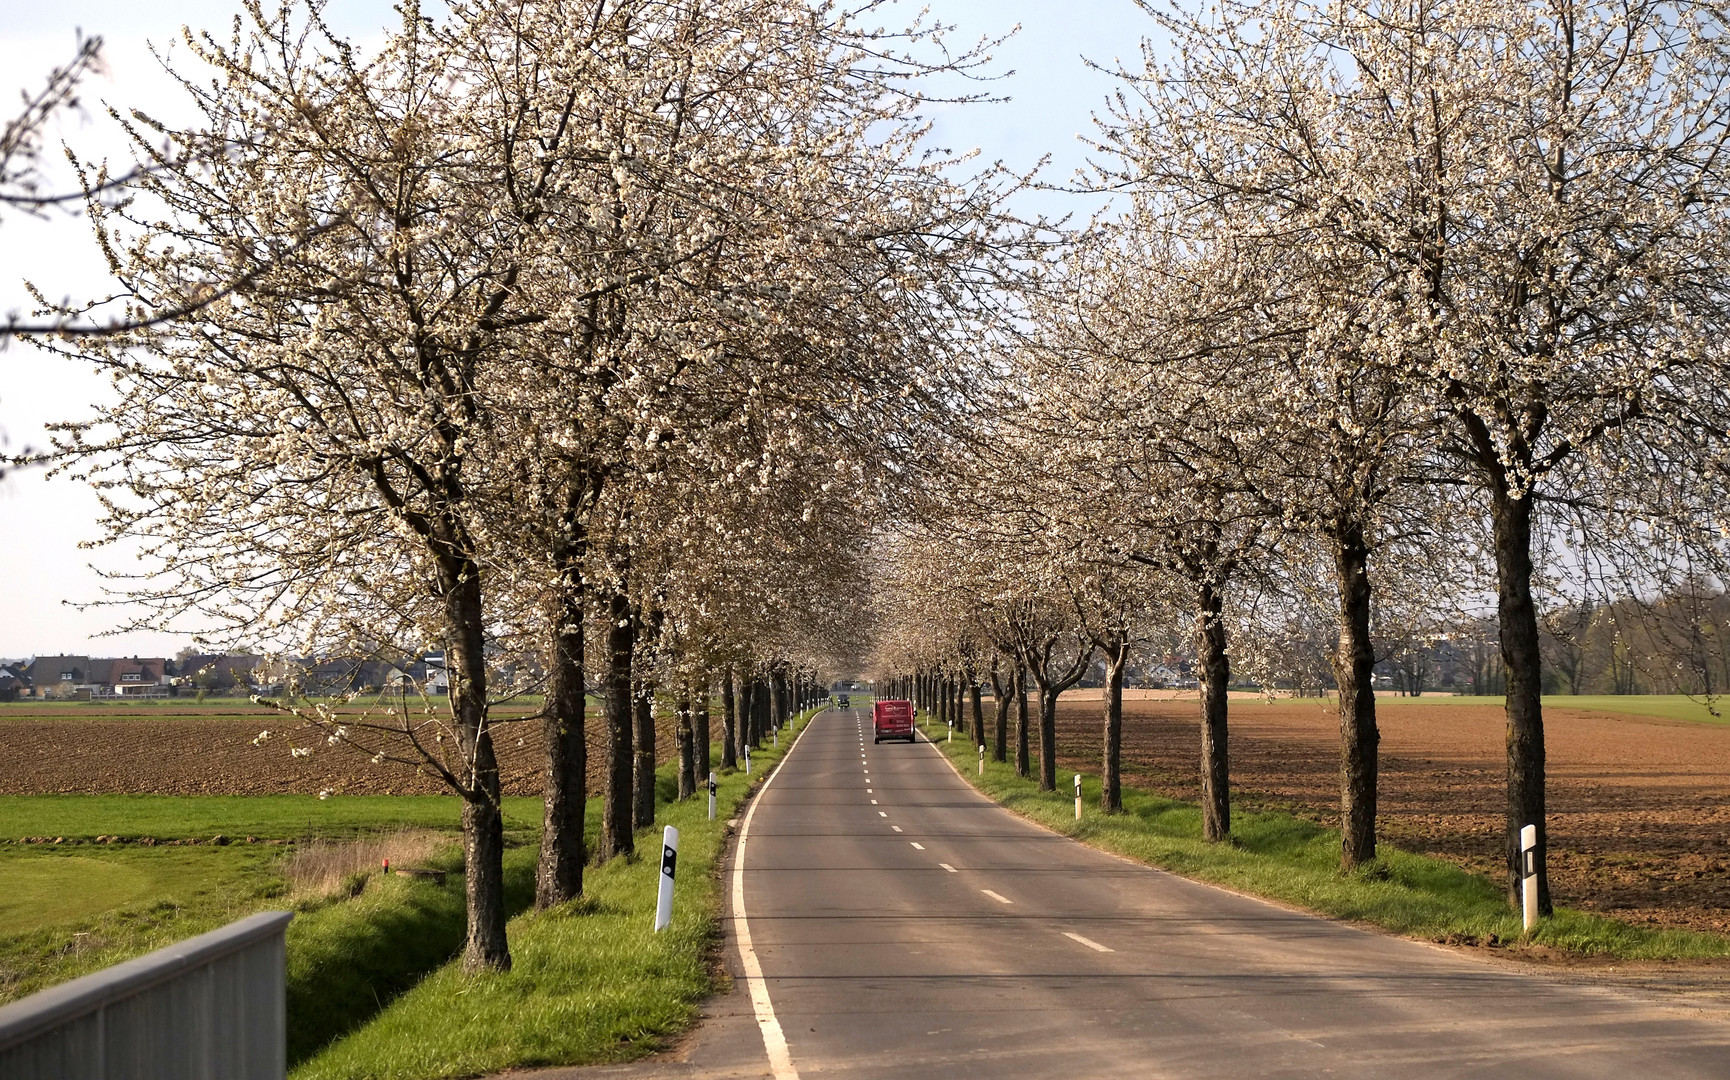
(999, 897)
(774, 1039)
(1089, 942)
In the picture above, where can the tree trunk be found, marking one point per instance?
(1000, 716)
(1048, 737)
(687, 733)
(1522, 664)
(616, 833)
(777, 699)
(1354, 672)
(643, 801)
(700, 720)
(747, 715)
(483, 827)
(1111, 783)
(559, 872)
(1023, 760)
(759, 711)
(1215, 677)
(730, 741)
(973, 694)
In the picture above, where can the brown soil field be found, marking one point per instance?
(112, 750)
(1639, 807)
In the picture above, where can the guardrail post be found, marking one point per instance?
(1529, 875)
(669, 862)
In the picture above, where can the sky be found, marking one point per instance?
(48, 575)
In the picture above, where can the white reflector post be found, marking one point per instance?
(1078, 796)
(1529, 875)
(711, 796)
(669, 860)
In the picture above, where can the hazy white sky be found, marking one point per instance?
(43, 570)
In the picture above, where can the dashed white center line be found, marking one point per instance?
(1094, 945)
(1000, 898)
(897, 828)
(917, 844)
(947, 867)
(873, 802)
(880, 813)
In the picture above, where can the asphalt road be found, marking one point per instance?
(905, 926)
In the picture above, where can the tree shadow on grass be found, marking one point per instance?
(348, 960)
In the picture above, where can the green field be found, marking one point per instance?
(374, 989)
(170, 817)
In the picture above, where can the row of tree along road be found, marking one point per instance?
(1408, 311)
(645, 345)
(572, 335)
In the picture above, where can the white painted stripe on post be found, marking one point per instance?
(999, 897)
(1089, 942)
(774, 1039)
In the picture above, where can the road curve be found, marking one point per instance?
(907, 927)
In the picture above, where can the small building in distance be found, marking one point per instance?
(14, 681)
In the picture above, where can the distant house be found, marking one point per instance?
(220, 673)
(122, 676)
(14, 682)
(138, 676)
(426, 674)
(338, 676)
(58, 676)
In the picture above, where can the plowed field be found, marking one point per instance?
(1639, 807)
(109, 749)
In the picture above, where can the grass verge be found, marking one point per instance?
(349, 958)
(590, 982)
(1296, 862)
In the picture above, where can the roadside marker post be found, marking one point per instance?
(1077, 790)
(711, 796)
(1529, 875)
(951, 736)
(747, 759)
(669, 860)
(981, 759)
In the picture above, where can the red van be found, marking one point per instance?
(892, 720)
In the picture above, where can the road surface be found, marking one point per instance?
(899, 925)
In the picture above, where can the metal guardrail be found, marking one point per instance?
(213, 1007)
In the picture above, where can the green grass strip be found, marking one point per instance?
(270, 817)
(1296, 862)
(348, 958)
(590, 981)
